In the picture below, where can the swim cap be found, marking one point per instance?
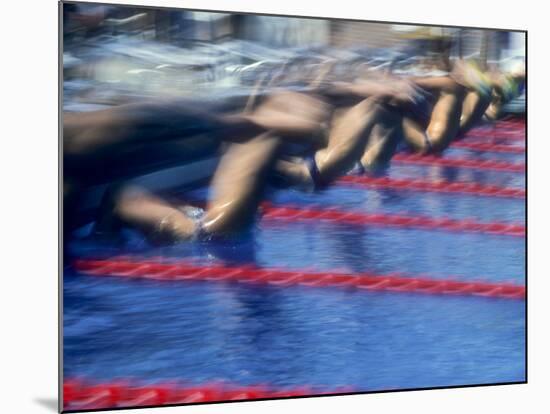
(511, 87)
(514, 78)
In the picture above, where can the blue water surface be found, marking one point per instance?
(287, 337)
(203, 331)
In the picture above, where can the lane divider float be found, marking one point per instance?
(512, 134)
(491, 165)
(453, 187)
(85, 395)
(488, 147)
(162, 269)
(291, 214)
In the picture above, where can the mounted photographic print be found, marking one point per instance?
(264, 207)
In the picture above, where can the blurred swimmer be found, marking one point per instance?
(431, 126)
(360, 129)
(240, 178)
(435, 132)
(479, 91)
(129, 140)
(507, 85)
(476, 79)
(237, 187)
(125, 140)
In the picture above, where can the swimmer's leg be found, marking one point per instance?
(494, 110)
(137, 208)
(348, 138)
(415, 135)
(383, 141)
(444, 121)
(473, 108)
(238, 184)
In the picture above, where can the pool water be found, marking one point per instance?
(323, 337)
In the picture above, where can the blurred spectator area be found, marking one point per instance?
(112, 54)
(180, 27)
(82, 21)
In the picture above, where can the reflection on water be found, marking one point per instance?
(285, 337)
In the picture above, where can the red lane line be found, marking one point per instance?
(185, 270)
(500, 135)
(81, 395)
(488, 147)
(392, 220)
(514, 130)
(433, 186)
(417, 159)
(493, 142)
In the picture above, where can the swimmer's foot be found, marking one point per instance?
(175, 227)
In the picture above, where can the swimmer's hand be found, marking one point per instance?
(404, 92)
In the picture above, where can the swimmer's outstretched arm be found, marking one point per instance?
(397, 91)
(142, 123)
(435, 84)
(364, 89)
(294, 116)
